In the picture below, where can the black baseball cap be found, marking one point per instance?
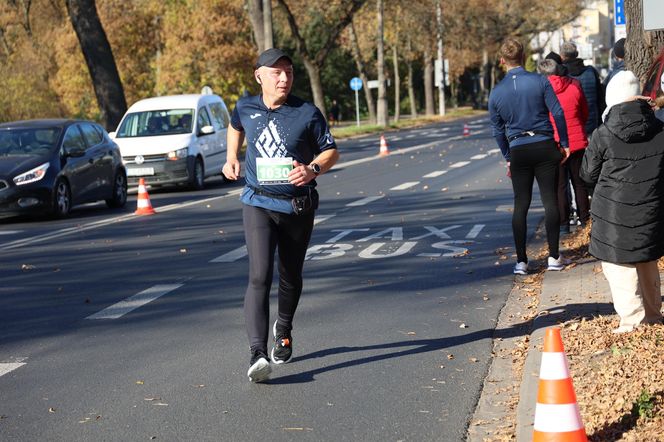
(270, 57)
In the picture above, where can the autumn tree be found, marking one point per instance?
(315, 27)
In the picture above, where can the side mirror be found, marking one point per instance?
(112, 135)
(73, 152)
(206, 130)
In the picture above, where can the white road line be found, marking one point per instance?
(9, 232)
(365, 201)
(233, 255)
(477, 228)
(479, 156)
(492, 151)
(459, 164)
(7, 367)
(323, 218)
(105, 222)
(121, 308)
(435, 174)
(405, 186)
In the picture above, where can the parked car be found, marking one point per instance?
(177, 139)
(52, 165)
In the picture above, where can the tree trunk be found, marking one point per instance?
(411, 91)
(99, 58)
(255, 13)
(361, 69)
(428, 83)
(313, 72)
(267, 24)
(397, 82)
(641, 46)
(381, 109)
(441, 58)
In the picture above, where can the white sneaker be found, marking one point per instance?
(521, 268)
(558, 264)
(623, 329)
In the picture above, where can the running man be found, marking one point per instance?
(288, 146)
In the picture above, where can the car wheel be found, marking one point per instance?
(61, 199)
(197, 175)
(119, 197)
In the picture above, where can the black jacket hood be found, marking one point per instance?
(633, 122)
(575, 66)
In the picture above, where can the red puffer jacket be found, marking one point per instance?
(571, 98)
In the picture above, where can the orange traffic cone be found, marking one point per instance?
(143, 202)
(383, 146)
(466, 130)
(557, 417)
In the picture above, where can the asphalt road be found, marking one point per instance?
(115, 327)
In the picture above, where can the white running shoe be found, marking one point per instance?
(259, 369)
(558, 264)
(521, 268)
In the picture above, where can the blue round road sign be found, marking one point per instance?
(356, 83)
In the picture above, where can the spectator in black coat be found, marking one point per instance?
(625, 158)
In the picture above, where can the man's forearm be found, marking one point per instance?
(327, 159)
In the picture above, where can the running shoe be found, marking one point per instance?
(259, 369)
(521, 268)
(557, 264)
(283, 345)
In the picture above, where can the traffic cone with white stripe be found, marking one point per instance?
(466, 130)
(143, 205)
(384, 150)
(557, 416)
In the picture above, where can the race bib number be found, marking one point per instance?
(270, 171)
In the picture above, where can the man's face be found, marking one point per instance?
(277, 80)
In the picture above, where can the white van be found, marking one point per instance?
(174, 139)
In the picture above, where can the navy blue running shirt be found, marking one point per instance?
(296, 129)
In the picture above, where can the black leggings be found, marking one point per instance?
(538, 160)
(573, 166)
(265, 231)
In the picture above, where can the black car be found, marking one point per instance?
(51, 165)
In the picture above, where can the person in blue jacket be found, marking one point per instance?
(519, 108)
(288, 146)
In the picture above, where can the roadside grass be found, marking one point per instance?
(349, 131)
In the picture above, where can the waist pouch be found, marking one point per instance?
(301, 204)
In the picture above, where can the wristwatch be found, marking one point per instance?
(316, 168)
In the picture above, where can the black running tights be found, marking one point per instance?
(539, 161)
(266, 231)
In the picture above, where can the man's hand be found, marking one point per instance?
(231, 169)
(301, 174)
(509, 172)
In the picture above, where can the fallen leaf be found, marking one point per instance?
(463, 325)
(51, 410)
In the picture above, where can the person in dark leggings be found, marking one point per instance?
(288, 146)
(519, 108)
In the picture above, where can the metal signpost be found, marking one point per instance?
(356, 85)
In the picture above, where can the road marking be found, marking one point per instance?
(405, 186)
(492, 151)
(121, 308)
(105, 222)
(8, 367)
(323, 218)
(365, 201)
(479, 156)
(232, 256)
(435, 174)
(477, 228)
(459, 164)
(9, 232)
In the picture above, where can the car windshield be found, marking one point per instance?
(158, 122)
(28, 141)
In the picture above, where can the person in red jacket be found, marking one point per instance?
(571, 98)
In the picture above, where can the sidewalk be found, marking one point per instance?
(507, 402)
(506, 407)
